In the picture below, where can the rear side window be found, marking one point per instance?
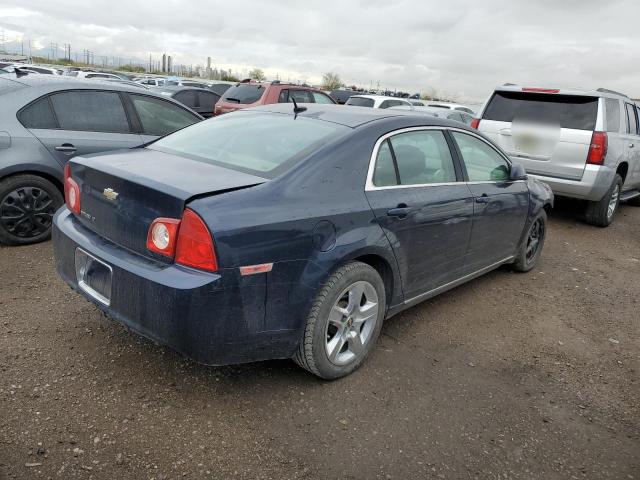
(244, 93)
(612, 107)
(482, 162)
(632, 121)
(421, 158)
(90, 110)
(569, 111)
(392, 103)
(38, 115)
(160, 117)
(187, 97)
(360, 102)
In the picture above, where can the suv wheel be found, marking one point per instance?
(601, 213)
(344, 322)
(27, 205)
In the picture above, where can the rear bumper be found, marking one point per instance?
(595, 182)
(213, 318)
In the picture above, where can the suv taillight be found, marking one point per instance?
(71, 191)
(597, 149)
(187, 240)
(475, 123)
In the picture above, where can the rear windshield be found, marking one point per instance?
(244, 93)
(262, 144)
(569, 111)
(360, 102)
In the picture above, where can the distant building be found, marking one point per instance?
(164, 62)
(169, 64)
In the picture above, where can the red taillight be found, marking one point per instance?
(71, 191)
(475, 123)
(540, 90)
(162, 236)
(194, 247)
(187, 240)
(597, 149)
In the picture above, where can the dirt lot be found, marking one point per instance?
(510, 376)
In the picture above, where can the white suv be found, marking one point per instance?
(376, 101)
(584, 144)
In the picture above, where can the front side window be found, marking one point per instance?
(160, 117)
(483, 163)
(90, 110)
(262, 144)
(612, 110)
(420, 158)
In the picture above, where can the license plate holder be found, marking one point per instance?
(94, 276)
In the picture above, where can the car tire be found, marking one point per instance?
(27, 205)
(601, 213)
(531, 247)
(344, 322)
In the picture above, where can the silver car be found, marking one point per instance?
(45, 120)
(584, 144)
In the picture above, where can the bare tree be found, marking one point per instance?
(331, 81)
(257, 74)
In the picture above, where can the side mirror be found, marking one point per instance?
(517, 172)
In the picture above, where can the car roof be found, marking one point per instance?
(352, 117)
(62, 81)
(176, 88)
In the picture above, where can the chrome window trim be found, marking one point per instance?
(369, 186)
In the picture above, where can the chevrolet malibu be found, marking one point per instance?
(292, 231)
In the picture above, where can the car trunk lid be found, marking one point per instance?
(123, 192)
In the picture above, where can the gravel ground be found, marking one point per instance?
(510, 376)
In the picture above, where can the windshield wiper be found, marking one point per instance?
(237, 100)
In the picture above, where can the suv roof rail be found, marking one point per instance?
(606, 90)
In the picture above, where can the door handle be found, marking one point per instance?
(66, 148)
(483, 199)
(401, 211)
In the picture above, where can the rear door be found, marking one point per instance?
(419, 199)
(80, 122)
(501, 206)
(549, 133)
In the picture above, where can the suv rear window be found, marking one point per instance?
(570, 111)
(245, 141)
(244, 93)
(360, 102)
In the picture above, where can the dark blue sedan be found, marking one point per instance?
(274, 233)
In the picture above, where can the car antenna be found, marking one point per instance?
(296, 108)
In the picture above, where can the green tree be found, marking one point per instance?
(257, 74)
(331, 81)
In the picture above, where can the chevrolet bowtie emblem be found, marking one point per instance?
(110, 194)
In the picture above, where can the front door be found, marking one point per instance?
(423, 206)
(501, 206)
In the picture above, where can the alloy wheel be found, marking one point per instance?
(352, 321)
(27, 212)
(613, 201)
(536, 235)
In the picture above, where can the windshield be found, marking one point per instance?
(244, 93)
(360, 102)
(262, 144)
(569, 111)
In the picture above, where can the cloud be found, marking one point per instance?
(463, 48)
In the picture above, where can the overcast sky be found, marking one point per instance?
(462, 48)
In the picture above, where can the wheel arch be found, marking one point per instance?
(623, 170)
(37, 170)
